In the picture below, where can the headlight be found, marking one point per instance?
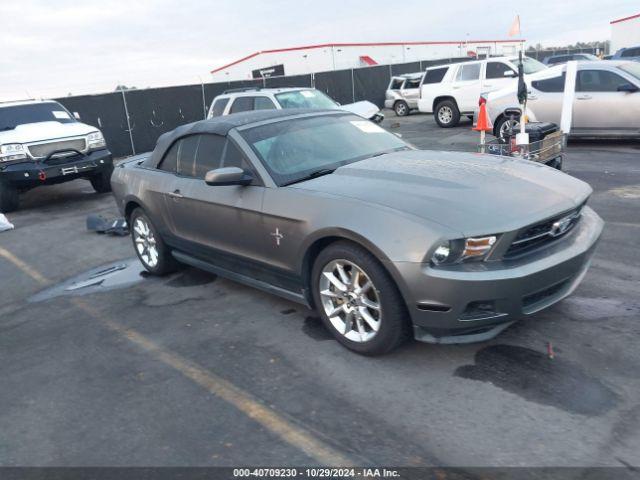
(95, 140)
(461, 250)
(12, 151)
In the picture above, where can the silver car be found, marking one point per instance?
(383, 240)
(606, 103)
(403, 93)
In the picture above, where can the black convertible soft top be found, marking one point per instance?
(222, 125)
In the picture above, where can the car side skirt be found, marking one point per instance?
(297, 297)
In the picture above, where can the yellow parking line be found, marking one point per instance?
(33, 273)
(296, 436)
(291, 433)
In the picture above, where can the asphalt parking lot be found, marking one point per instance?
(196, 370)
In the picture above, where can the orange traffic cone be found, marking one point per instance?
(484, 124)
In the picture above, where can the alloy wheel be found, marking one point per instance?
(507, 126)
(445, 114)
(350, 300)
(145, 242)
(401, 109)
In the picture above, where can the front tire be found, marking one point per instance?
(505, 124)
(101, 182)
(9, 199)
(358, 300)
(447, 114)
(401, 108)
(151, 250)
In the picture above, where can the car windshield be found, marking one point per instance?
(14, 115)
(305, 99)
(530, 65)
(631, 69)
(298, 149)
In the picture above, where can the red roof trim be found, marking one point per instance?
(368, 60)
(379, 44)
(625, 19)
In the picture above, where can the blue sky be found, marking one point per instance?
(51, 48)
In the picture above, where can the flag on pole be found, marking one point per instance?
(515, 27)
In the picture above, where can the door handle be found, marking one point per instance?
(176, 194)
(584, 97)
(532, 97)
(488, 85)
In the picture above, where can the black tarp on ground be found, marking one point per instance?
(155, 111)
(370, 83)
(336, 84)
(291, 81)
(400, 68)
(105, 112)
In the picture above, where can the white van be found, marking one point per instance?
(449, 91)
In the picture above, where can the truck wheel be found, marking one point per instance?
(151, 250)
(447, 114)
(9, 199)
(358, 301)
(401, 108)
(101, 182)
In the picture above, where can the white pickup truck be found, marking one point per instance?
(41, 143)
(449, 91)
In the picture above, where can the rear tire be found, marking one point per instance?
(101, 182)
(9, 199)
(401, 108)
(151, 250)
(368, 315)
(447, 114)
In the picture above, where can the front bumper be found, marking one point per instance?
(32, 173)
(475, 302)
(390, 102)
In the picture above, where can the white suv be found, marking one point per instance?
(246, 99)
(450, 91)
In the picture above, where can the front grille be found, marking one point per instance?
(43, 150)
(543, 233)
(547, 293)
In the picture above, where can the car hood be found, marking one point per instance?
(364, 109)
(471, 193)
(34, 132)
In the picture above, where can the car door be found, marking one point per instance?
(498, 75)
(466, 86)
(410, 91)
(216, 222)
(544, 98)
(600, 108)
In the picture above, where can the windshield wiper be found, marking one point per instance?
(314, 174)
(3, 129)
(386, 152)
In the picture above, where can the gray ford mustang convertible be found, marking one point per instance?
(383, 240)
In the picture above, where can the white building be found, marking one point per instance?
(625, 32)
(338, 56)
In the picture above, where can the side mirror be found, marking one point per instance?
(627, 87)
(510, 74)
(76, 115)
(228, 176)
